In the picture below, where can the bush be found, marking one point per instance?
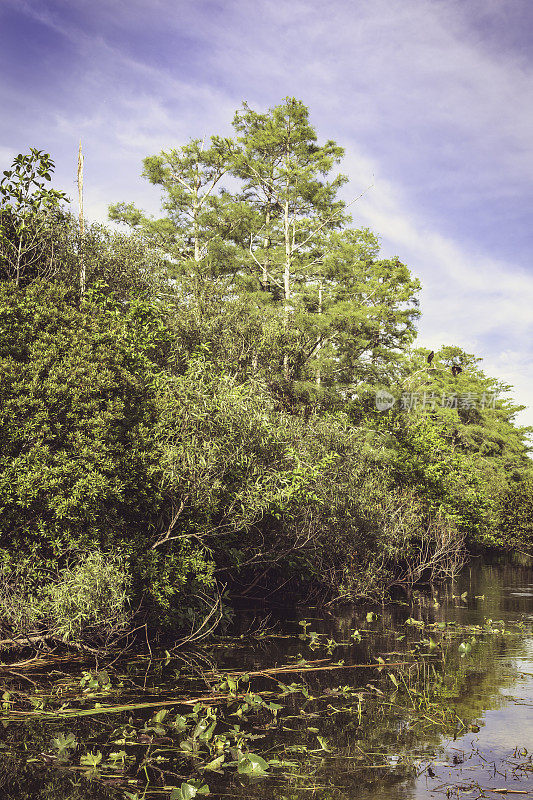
(77, 464)
(90, 599)
(22, 604)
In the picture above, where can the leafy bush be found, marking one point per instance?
(79, 464)
(515, 509)
(22, 602)
(75, 415)
(90, 598)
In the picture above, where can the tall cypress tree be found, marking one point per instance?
(284, 170)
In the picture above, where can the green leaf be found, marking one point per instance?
(62, 742)
(464, 648)
(189, 790)
(179, 724)
(91, 759)
(252, 765)
(215, 764)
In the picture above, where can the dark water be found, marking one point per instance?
(447, 711)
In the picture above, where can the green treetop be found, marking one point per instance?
(190, 233)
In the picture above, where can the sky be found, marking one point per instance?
(431, 99)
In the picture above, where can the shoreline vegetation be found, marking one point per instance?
(227, 404)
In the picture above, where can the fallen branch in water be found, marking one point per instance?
(210, 699)
(44, 638)
(290, 668)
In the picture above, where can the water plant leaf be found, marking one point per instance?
(180, 794)
(215, 764)
(464, 648)
(206, 735)
(252, 765)
(119, 755)
(91, 759)
(187, 746)
(179, 724)
(62, 742)
(187, 791)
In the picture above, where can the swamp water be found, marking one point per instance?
(427, 699)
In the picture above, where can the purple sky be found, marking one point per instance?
(432, 99)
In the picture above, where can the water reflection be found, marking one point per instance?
(362, 731)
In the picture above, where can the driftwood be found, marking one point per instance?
(292, 668)
(44, 638)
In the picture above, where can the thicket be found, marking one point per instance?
(202, 424)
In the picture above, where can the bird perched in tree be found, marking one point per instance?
(456, 370)
(431, 356)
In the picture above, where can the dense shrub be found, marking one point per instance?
(79, 466)
(90, 599)
(137, 470)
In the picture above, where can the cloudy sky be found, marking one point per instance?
(432, 99)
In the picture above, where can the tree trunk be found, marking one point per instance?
(319, 346)
(81, 221)
(286, 282)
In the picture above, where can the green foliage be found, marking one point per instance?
(27, 207)
(206, 415)
(90, 599)
(515, 510)
(74, 418)
(125, 265)
(331, 313)
(455, 442)
(22, 601)
(79, 465)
